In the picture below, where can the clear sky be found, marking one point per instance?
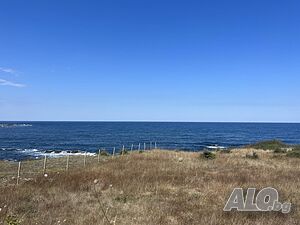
(138, 60)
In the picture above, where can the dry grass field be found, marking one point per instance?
(154, 187)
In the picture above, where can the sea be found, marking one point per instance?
(30, 140)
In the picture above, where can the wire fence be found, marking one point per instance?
(16, 172)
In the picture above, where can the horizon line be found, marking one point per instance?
(149, 121)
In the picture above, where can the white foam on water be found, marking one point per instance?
(65, 153)
(8, 125)
(55, 153)
(215, 147)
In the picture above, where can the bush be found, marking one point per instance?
(269, 145)
(104, 153)
(122, 198)
(296, 148)
(294, 154)
(209, 155)
(253, 155)
(12, 220)
(279, 150)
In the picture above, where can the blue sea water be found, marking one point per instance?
(21, 140)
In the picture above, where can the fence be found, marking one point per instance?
(23, 170)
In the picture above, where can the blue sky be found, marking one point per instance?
(150, 60)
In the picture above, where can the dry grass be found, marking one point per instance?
(157, 187)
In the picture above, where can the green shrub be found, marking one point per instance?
(12, 220)
(294, 154)
(208, 155)
(280, 150)
(296, 148)
(269, 145)
(252, 155)
(122, 198)
(104, 153)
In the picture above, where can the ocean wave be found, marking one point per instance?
(56, 153)
(215, 147)
(10, 149)
(33, 153)
(11, 125)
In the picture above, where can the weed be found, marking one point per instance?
(269, 145)
(209, 155)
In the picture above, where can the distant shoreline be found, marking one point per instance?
(146, 121)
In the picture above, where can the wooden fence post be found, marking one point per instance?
(84, 160)
(114, 151)
(67, 166)
(99, 151)
(139, 146)
(19, 170)
(45, 164)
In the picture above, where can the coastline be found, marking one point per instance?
(164, 187)
(21, 142)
